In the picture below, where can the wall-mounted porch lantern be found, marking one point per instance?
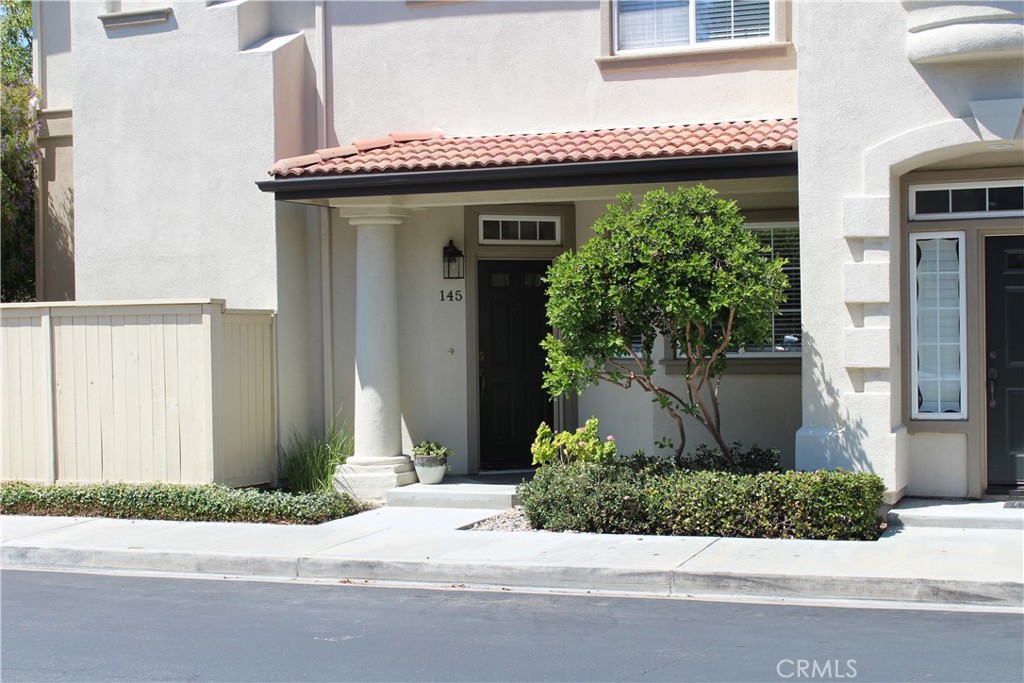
(453, 262)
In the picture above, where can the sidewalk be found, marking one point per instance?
(430, 546)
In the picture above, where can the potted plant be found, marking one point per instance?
(431, 461)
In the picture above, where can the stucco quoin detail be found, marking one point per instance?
(866, 282)
(866, 347)
(865, 217)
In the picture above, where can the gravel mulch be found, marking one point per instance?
(509, 520)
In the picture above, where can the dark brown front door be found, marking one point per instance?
(1004, 331)
(512, 324)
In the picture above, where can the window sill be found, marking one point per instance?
(956, 425)
(789, 364)
(136, 18)
(693, 55)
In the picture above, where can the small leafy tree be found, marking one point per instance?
(678, 265)
(17, 152)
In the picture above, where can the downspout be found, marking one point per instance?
(326, 317)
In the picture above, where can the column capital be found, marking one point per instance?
(375, 214)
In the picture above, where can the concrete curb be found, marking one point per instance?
(639, 581)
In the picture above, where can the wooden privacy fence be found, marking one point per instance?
(173, 391)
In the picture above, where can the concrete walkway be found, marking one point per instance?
(430, 546)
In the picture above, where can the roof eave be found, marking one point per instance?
(575, 174)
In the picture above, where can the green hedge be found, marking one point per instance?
(196, 503)
(650, 498)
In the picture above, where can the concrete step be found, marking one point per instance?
(455, 492)
(956, 514)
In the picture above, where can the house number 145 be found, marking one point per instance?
(451, 295)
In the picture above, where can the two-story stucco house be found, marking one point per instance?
(318, 158)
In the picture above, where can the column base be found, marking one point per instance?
(367, 482)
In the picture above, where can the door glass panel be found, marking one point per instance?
(1014, 260)
(938, 334)
(532, 280)
(499, 280)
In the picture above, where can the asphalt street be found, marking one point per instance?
(90, 627)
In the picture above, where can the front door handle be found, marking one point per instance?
(992, 377)
(483, 383)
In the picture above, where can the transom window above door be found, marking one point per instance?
(520, 229)
(951, 201)
(673, 24)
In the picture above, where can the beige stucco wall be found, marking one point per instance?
(868, 114)
(471, 68)
(54, 74)
(55, 252)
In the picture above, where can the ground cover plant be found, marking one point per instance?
(180, 502)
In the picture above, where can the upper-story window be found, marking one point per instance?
(673, 24)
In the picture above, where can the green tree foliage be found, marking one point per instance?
(681, 266)
(17, 153)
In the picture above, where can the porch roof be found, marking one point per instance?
(427, 161)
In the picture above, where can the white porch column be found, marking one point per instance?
(378, 463)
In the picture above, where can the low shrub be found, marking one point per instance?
(309, 462)
(196, 503)
(753, 460)
(648, 496)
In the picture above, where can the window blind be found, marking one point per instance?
(653, 23)
(662, 23)
(784, 242)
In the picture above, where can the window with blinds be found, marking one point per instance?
(937, 323)
(652, 24)
(784, 242)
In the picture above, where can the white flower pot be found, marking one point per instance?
(429, 471)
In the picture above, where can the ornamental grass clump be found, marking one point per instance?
(308, 463)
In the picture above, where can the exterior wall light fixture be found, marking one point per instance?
(453, 262)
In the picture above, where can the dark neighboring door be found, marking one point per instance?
(512, 325)
(1004, 329)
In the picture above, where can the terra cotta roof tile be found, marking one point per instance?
(431, 151)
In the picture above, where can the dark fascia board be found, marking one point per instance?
(630, 172)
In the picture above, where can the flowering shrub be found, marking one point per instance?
(583, 445)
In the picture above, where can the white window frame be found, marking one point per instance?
(692, 45)
(962, 215)
(507, 217)
(914, 237)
